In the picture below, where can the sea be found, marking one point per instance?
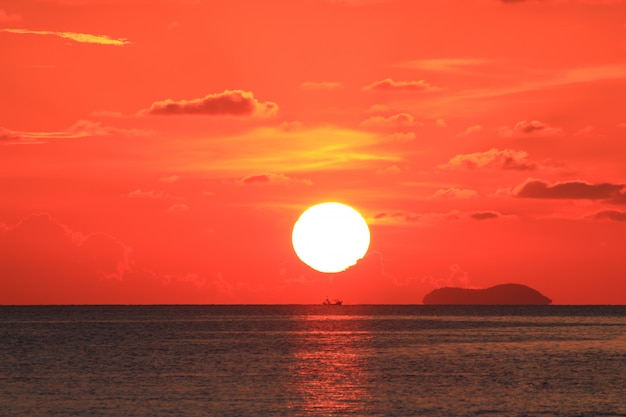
(308, 360)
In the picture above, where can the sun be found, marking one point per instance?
(330, 237)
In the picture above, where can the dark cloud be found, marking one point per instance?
(390, 85)
(534, 188)
(485, 215)
(619, 198)
(229, 103)
(615, 215)
(397, 217)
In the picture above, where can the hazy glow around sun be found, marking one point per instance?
(330, 237)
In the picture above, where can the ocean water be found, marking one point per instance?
(312, 361)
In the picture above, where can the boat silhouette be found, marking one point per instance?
(335, 302)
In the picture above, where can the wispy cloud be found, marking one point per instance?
(493, 158)
(80, 129)
(267, 149)
(551, 79)
(76, 37)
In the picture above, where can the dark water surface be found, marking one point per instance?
(312, 361)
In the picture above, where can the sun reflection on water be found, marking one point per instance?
(331, 367)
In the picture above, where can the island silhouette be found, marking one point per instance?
(503, 294)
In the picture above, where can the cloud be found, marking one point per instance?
(40, 246)
(390, 85)
(396, 218)
(532, 128)
(88, 128)
(493, 158)
(229, 103)
(454, 193)
(11, 137)
(80, 129)
(47, 262)
(8, 136)
(615, 215)
(457, 277)
(9, 17)
(76, 37)
(485, 215)
(391, 122)
(403, 218)
(535, 188)
(273, 179)
(471, 130)
(321, 85)
(551, 78)
(270, 149)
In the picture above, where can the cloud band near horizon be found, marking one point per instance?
(77, 37)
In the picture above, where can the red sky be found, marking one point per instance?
(160, 151)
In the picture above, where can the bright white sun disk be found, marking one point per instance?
(330, 237)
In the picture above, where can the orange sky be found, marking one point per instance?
(160, 151)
